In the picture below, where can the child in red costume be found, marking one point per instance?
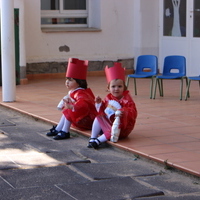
(78, 106)
(119, 105)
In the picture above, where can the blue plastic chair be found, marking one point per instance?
(146, 67)
(174, 68)
(191, 78)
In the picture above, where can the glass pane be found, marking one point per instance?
(49, 4)
(174, 18)
(63, 21)
(74, 4)
(196, 22)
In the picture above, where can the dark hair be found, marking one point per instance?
(125, 87)
(81, 83)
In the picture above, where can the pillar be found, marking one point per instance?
(8, 51)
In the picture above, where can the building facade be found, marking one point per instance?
(51, 31)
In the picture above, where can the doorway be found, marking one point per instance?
(180, 32)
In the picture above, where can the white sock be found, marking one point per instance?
(101, 138)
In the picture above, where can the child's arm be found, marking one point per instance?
(68, 103)
(98, 99)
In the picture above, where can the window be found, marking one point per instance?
(64, 13)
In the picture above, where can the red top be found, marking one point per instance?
(84, 112)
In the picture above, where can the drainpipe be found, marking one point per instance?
(8, 51)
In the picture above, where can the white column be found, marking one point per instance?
(8, 51)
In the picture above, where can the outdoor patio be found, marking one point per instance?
(167, 129)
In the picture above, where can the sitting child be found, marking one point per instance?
(117, 113)
(78, 106)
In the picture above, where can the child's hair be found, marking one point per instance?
(81, 83)
(125, 87)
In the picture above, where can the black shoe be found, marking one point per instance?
(53, 132)
(90, 142)
(94, 145)
(89, 145)
(61, 135)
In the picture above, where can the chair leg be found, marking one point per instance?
(127, 81)
(154, 88)
(134, 79)
(161, 88)
(188, 93)
(187, 90)
(151, 86)
(181, 89)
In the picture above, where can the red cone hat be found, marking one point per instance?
(77, 68)
(115, 72)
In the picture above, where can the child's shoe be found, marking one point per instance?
(53, 131)
(62, 135)
(90, 142)
(94, 144)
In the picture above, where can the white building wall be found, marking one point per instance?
(114, 41)
(150, 27)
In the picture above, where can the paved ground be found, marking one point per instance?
(33, 166)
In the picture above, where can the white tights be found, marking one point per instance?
(63, 125)
(96, 129)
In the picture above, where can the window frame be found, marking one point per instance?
(61, 13)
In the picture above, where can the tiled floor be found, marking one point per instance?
(167, 129)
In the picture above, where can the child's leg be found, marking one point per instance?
(60, 123)
(66, 125)
(54, 131)
(96, 129)
(63, 127)
(95, 141)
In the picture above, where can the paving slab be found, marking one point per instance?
(44, 176)
(105, 154)
(185, 197)
(166, 183)
(36, 193)
(111, 189)
(99, 171)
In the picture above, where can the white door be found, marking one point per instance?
(180, 32)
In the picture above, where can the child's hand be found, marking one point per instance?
(98, 99)
(68, 103)
(118, 113)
